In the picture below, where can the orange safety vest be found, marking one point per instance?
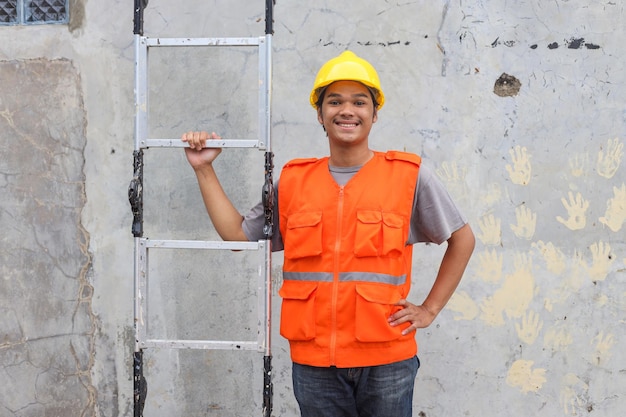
(346, 260)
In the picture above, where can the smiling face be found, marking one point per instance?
(347, 113)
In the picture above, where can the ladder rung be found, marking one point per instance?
(201, 344)
(215, 143)
(202, 244)
(251, 41)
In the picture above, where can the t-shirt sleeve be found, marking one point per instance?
(435, 215)
(254, 221)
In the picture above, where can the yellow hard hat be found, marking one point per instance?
(347, 67)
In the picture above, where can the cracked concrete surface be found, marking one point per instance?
(46, 319)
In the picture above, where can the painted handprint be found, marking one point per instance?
(578, 164)
(462, 303)
(609, 162)
(515, 295)
(526, 223)
(576, 210)
(574, 395)
(490, 266)
(601, 261)
(603, 346)
(518, 288)
(529, 329)
(520, 171)
(450, 173)
(491, 311)
(490, 228)
(554, 257)
(523, 376)
(557, 340)
(453, 177)
(615, 214)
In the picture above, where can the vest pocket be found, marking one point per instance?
(374, 305)
(393, 234)
(303, 235)
(298, 310)
(379, 234)
(368, 233)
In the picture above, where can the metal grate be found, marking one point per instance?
(29, 12)
(45, 11)
(8, 11)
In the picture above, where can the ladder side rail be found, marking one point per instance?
(268, 386)
(268, 200)
(263, 288)
(135, 194)
(265, 88)
(263, 95)
(141, 90)
(141, 293)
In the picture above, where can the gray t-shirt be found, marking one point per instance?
(433, 220)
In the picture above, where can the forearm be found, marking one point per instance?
(455, 260)
(225, 217)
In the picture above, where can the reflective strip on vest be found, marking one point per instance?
(346, 277)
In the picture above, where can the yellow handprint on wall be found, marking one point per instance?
(521, 168)
(490, 228)
(576, 211)
(526, 223)
(529, 329)
(609, 162)
(521, 375)
(490, 266)
(601, 261)
(554, 257)
(462, 303)
(603, 346)
(615, 214)
(574, 395)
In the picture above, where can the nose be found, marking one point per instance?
(346, 108)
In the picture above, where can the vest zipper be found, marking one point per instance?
(333, 333)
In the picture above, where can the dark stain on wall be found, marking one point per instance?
(77, 14)
(575, 43)
(507, 86)
(367, 43)
(572, 43)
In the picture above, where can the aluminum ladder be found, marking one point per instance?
(135, 194)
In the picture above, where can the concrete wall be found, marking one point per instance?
(518, 106)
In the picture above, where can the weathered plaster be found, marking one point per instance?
(48, 331)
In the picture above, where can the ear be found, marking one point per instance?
(319, 116)
(375, 118)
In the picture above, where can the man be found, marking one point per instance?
(347, 224)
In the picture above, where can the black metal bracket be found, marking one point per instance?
(268, 387)
(268, 196)
(135, 194)
(269, 16)
(140, 389)
(140, 5)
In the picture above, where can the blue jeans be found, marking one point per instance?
(375, 391)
